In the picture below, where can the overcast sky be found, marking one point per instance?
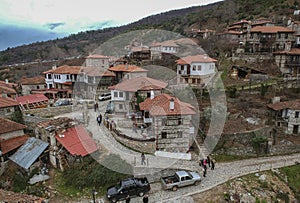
(76, 15)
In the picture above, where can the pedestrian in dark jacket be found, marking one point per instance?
(208, 160)
(145, 199)
(212, 164)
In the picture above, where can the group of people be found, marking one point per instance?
(208, 162)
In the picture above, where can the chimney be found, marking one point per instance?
(172, 104)
(126, 66)
(54, 67)
(6, 81)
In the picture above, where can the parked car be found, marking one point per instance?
(180, 179)
(62, 102)
(105, 96)
(132, 187)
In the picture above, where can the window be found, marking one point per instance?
(179, 134)
(115, 94)
(163, 135)
(297, 114)
(68, 77)
(194, 68)
(120, 106)
(37, 87)
(120, 94)
(199, 67)
(49, 76)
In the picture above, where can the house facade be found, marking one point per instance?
(7, 106)
(29, 84)
(170, 122)
(287, 115)
(126, 95)
(97, 60)
(194, 69)
(157, 49)
(127, 72)
(288, 62)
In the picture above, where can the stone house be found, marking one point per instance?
(287, 115)
(193, 70)
(7, 106)
(8, 89)
(29, 84)
(126, 95)
(68, 140)
(97, 60)
(170, 122)
(159, 48)
(12, 136)
(126, 71)
(288, 62)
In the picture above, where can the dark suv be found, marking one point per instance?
(132, 187)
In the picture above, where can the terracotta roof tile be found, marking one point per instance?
(33, 81)
(271, 29)
(7, 102)
(91, 71)
(65, 69)
(201, 58)
(295, 105)
(13, 143)
(127, 68)
(7, 89)
(31, 98)
(7, 125)
(160, 106)
(169, 43)
(139, 83)
(77, 141)
(97, 56)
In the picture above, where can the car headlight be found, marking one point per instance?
(108, 196)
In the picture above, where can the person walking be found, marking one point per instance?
(212, 164)
(98, 120)
(145, 199)
(127, 200)
(208, 161)
(143, 158)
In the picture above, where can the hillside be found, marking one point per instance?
(213, 16)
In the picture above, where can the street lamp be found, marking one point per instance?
(94, 193)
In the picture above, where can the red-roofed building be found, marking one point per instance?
(170, 121)
(289, 62)
(67, 140)
(126, 71)
(126, 94)
(7, 106)
(32, 101)
(169, 47)
(287, 115)
(8, 89)
(11, 136)
(194, 69)
(97, 60)
(29, 84)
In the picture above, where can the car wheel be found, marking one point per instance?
(197, 183)
(174, 188)
(141, 194)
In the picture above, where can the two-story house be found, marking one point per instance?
(288, 62)
(287, 115)
(170, 122)
(126, 95)
(193, 70)
(159, 48)
(97, 60)
(126, 71)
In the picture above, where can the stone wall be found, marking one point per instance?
(49, 111)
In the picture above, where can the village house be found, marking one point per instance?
(12, 136)
(68, 140)
(287, 115)
(8, 89)
(170, 121)
(97, 61)
(159, 48)
(32, 101)
(194, 70)
(139, 53)
(126, 95)
(126, 71)
(288, 62)
(29, 84)
(7, 106)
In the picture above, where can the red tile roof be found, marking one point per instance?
(77, 141)
(8, 84)
(7, 88)
(7, 102)
(295, 105)
(127, 68)
(31, 98)
(97, 56)
(33, 81)
(13, 143)
(91, 71)
(169, 43)
(7, 125)
(160, 106)
(65, 69)
(201, 58)
(271, 29)
(139, 83)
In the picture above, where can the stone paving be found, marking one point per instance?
(222, 173)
